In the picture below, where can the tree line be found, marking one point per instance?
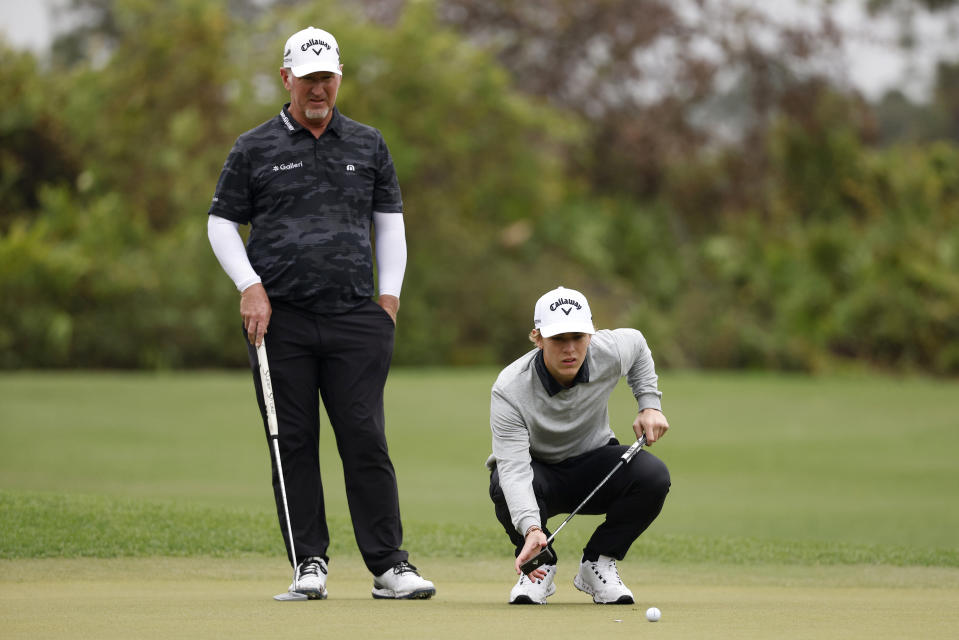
(741, 208)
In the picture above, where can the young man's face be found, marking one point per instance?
(313, 96)
(564, 354)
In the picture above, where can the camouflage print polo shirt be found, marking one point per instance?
(310, 203)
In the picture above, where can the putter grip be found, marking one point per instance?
(636, 446)
(266, 383)
(546, 556)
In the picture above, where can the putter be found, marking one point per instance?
(267, 385)
(546, 556)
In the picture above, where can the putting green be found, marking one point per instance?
(208, 598)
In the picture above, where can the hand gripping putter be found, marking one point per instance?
(268, 402)
(546, 556)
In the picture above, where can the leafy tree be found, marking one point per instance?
(656, 82)
(135, 277)
(33, 152)
(740, 214)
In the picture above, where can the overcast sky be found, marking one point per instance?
(870, 65)
(25, 24)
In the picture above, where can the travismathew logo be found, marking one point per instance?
(287, 167)
(565, 301)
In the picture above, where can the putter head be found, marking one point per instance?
(291, 596)
(546, 556)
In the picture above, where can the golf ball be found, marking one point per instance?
(653, 614)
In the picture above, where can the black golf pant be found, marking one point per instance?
(631, 499)
(343, 359)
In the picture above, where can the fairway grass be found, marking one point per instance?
(138, 505)
(864, 460)
(232, 598)
(66, 526)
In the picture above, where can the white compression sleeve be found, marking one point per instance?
(390, 234)
(229, 250)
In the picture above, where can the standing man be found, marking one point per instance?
(552, 444)
(311, 183)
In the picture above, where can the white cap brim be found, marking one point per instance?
(573, 326)
(307, 69)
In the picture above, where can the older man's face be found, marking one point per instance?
(313, 96)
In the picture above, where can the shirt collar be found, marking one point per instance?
(550, 383)
(292, 126)
(336, 124)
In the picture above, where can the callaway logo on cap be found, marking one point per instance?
(311, 50)
(562, 310)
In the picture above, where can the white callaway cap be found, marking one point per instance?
(562, 310)
(311, 50)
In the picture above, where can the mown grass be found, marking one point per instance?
(45, 525)
(766, 468)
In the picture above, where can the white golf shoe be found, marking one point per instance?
(528, 591)
(310, 578)
(601, 580)
(402, 582)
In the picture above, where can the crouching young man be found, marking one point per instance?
(552, 445)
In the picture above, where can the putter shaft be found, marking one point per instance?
(546, 556)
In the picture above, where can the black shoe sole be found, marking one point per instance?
(524, 600)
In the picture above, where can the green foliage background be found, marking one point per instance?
(844, 251)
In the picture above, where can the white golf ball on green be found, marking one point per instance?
(653, 614)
